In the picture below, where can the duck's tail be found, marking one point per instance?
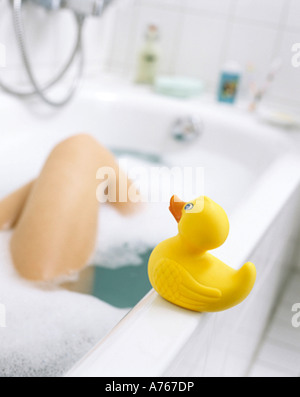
(246, 278)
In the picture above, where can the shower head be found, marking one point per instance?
(80, 7)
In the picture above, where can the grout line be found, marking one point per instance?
(129, 64)
(277, 368)
(228, 34)
(206, 13)
(286, 100)
(282, 345)
(231, 19)
(281, 27)
(287, 9)
(190, 10)
(175, 56)
(183, 10)
(272, 317)
(171, 8)
(281, 322)
(279, 331)
(291, 29)
(264, 24)
(273, 341)
(112, 41)
(233, 7)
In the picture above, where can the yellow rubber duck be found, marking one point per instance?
(184, 273)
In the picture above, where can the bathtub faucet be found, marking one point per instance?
(187, 129)
(80, 7)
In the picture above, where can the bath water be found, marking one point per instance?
(122, 287)
(49, 327)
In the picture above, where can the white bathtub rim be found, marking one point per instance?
(132, 349)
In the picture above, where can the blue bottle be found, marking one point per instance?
(229, 83)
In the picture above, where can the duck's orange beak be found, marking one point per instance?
(176, 207)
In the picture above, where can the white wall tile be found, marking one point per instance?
(294, 15)
(50, 37)
(168, 23)
(41, 42)
(62, 31)
(6, 35)
(200, 47)
(162, 3)
(97, 50)
(263, 370)
(214, 6)
(287, 83)
(252, 44)
(261, 10)
(39, 35)
(197, 37)
(120, 35)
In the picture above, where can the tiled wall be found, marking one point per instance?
(50, 38)
(198, 36)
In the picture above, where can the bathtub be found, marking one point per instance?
(256, 177)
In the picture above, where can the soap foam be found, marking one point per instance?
(48, 329)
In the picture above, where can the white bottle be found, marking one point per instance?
(149, 57)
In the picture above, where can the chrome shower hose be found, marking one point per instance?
(39, 90)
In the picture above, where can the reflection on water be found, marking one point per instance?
(122, 287)
(148, 157)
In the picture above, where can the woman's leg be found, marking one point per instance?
(55, 234)
(12, 206)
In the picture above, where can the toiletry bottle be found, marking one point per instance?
(229, 82)
(149, 57)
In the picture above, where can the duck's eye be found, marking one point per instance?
(189, 207)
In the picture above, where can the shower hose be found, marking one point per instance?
(41, 90)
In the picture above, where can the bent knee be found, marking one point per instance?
(79, 141)
(82, 146)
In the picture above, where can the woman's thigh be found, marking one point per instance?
(56, 232)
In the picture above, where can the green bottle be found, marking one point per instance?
(149, 57)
